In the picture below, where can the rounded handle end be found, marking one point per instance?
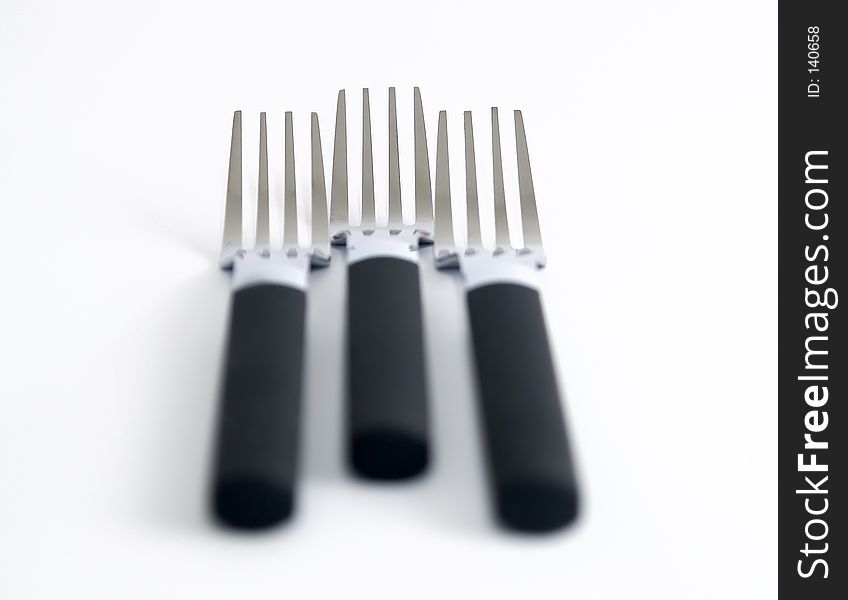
(388, 455)
(536, 506)
(251, 504)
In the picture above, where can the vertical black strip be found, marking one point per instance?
(813, 167)
(256, 460)
(387, 412)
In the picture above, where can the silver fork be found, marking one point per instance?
(530, 466)
(255, 466)
(388, 433)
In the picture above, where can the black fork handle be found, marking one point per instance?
(256, 460)
(387, 385)
(530, 464)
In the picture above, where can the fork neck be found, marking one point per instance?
(274, 267)
(483, 267)
(369, 242)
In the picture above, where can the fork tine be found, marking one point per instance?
(369, 214)
(320, 236)
(290, 193)
(232, 211)
(501, 224)
(338, 191)
(475, 239)
(263, 218)
(444, 217)
(529, 214)
(395, 206)
(423, 192)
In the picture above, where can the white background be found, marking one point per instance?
(652, 129)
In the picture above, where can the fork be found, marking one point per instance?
(531, 471)
(387, 388)
(255, 466)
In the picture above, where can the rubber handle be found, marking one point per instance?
(530, 464)
(256, 463)
(387, 385)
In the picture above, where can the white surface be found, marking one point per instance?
(652, 130)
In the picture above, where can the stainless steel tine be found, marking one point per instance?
(369, 211)
(423, 192)
(529, 213)
(388, 424)
(444, 239)
(395, 206)
(290, 191)
(320, 241)
(255, 468)
(232, 238)
(501, 223)
(263, 209)
(475, 239)
(339, 188)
